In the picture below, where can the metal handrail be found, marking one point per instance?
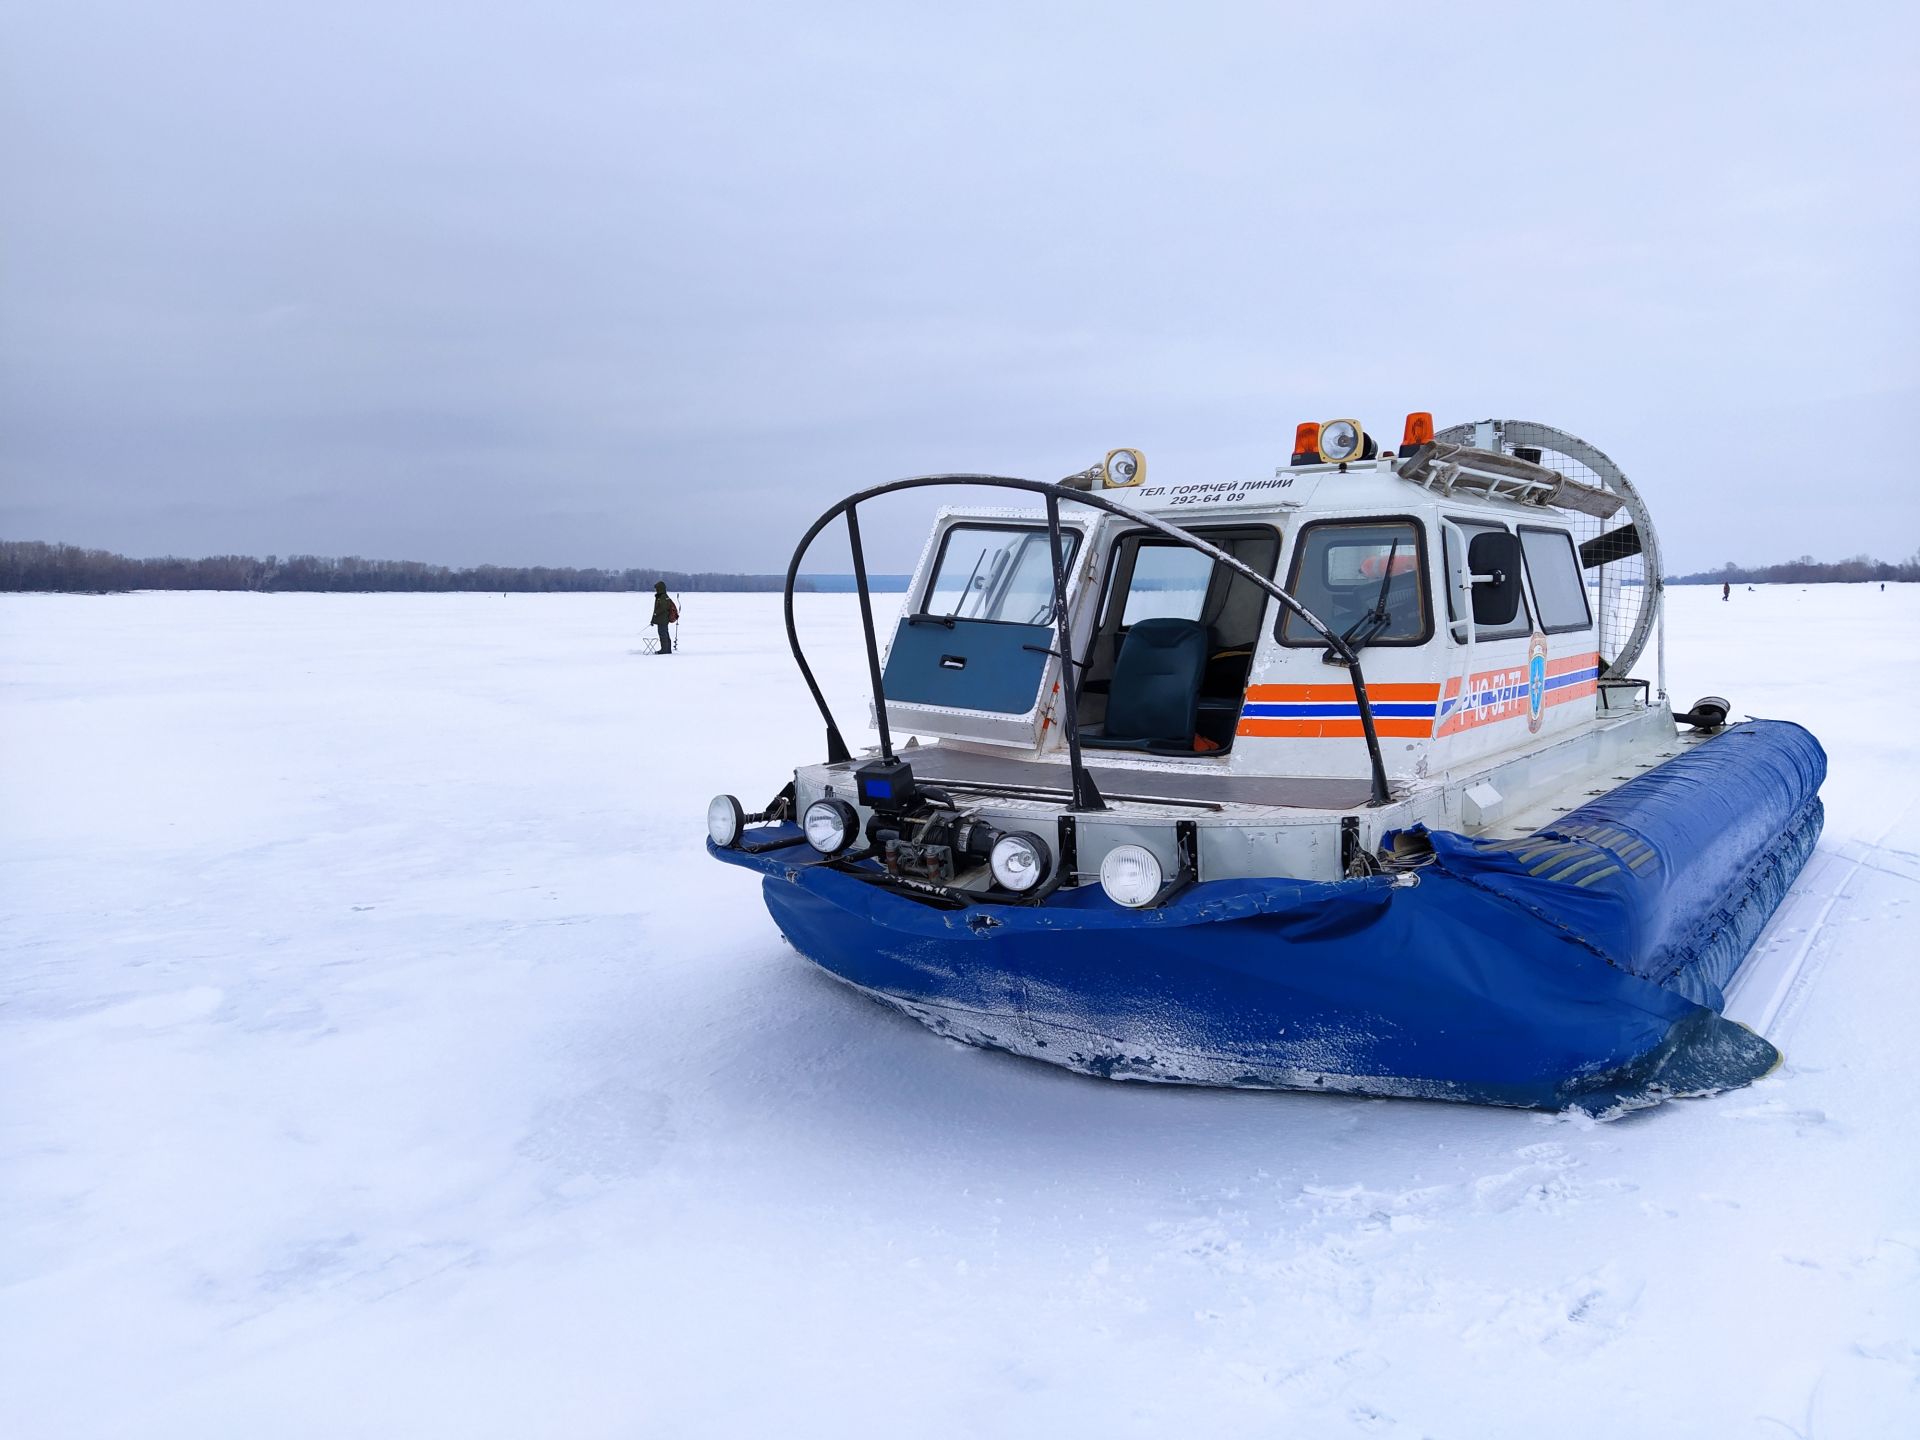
(1085, 795)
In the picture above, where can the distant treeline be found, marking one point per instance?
(35, 565)
(1805, 571)
(845, 584)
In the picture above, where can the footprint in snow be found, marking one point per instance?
(1902, 1354)
(1541, 1187)
(1576, 1318)
(1544, 1150)
(1894, 1259)
(1801, 1121)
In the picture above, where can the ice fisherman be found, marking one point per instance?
(665, 612)
(1726, 588)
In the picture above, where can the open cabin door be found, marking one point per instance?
(974, 655)
(1173, 644)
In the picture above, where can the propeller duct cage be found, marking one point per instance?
(1619, 551)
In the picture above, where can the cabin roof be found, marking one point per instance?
(1296, 492)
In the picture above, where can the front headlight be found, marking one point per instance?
(831, 825)
(725, 820)
(1130, 875)
(1019, 861)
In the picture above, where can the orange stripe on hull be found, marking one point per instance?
(1571, 692)
(1572, 663)
(1336, 729)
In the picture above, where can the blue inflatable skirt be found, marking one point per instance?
(1583, 965)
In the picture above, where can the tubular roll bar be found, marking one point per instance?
(1085, 795)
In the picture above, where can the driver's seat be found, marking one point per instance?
(1154, 701)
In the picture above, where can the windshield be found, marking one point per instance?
(996, 572)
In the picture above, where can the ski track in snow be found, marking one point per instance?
(380, 1054)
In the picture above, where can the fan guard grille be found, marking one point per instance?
(1624, 590)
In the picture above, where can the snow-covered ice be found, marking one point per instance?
(380, 1054)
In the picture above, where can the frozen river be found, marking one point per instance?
(380, 1054)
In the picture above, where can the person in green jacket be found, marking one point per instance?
(665, 612)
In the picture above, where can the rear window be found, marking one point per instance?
(1559, 589)
(1342, 569)
(997, 572)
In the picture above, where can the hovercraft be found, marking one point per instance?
(1335, 779)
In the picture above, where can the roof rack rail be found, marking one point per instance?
(1446, 468)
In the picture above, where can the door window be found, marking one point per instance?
(997, 572)
(1522, 623)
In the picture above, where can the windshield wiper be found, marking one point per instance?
(1360, 634)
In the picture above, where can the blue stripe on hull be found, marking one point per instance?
(1305, 710)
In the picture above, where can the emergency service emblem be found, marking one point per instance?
(1536, 680)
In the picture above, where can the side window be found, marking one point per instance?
(1153, 578)
(1168, 581)
(1345, 570)
(996, 572)
(1559, 589)
(1521, 625)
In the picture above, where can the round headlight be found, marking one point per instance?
(1340, 440)
(831, 825)
(725, 820)
(1019, 861)
(1130, 875)
(1123, 468)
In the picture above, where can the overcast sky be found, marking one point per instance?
(639, 283)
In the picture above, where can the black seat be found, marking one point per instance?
(1155, 697)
